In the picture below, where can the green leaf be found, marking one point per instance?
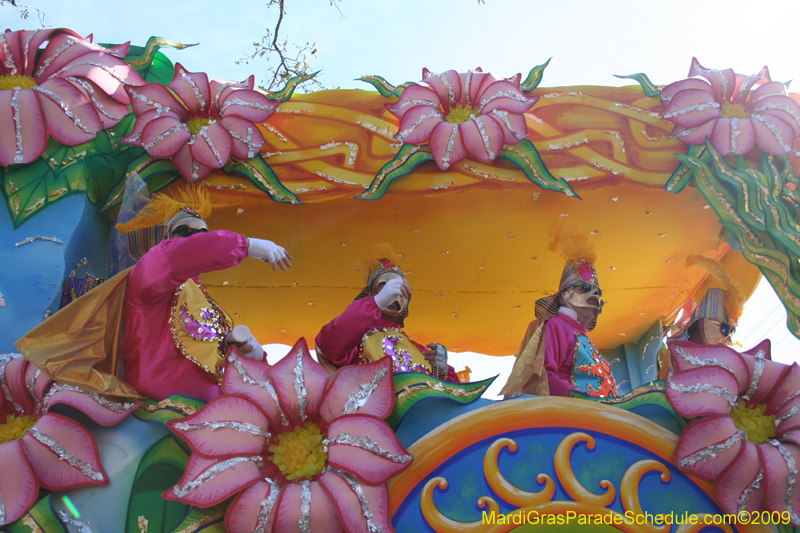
(534, 77)
(384, 87)
(42, 515)
(160, 468)
(175, 406)
(527, 158)
(157, 173)
(683, 175)
(647, 86)
(411, 388)
(151, 64)
(407, 159)
(263, 177)
(211, 520)
(288, 89)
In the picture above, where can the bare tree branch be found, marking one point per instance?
(24, 10)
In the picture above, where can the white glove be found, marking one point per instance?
(247, 343)
(269, 252)
(390, 292)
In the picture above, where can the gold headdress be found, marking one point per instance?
(193, 201)
(384, 259)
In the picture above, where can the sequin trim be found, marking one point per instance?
(305, 507)
(745, 85)
(368, 444)
(204, 134)
(758, 370)
(702, 71)
(26, 50)
(467, 83)
(242, 84)
(111, 405)
(300, 387)
(450, 145)
(242, 427)
(266, 385)
(266, 506)
(512, 96)
(161, 109)
(64, 454)
(243, 103)
(791, 479)
(2, 511)
(30, 385)
(161, 136)
(251, 146)
(774, 131)
(17, 125)
(372, 527)
(745, 496)
(9, 61)
(451, 96)
(696, 361)
(793, 411)
(65, 108)
(416, 103)
(4, 360)
(693, 107)
(359, 397)
(503, 115)
(713, 450)
(46, 63)
(485, 138)
(704, 387)
(405, 133)
(197, 94)
(99, 106)
(105, 68)
(211, 472)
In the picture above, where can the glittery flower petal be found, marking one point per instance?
(220, 88)
(14, 48)
(366, 447)
(474, 85)
(31, 40)
(64, 454)
(788, 417)
(514, 126)
(723, 81)
(702, 391)
(23, 132)
(669, 92)
(14, 377)
(248, 105)
(245, 377)
(106, 411)
(689, 355)
(350, 510)
(70, 116)
(19, 486)
(212, 146)
(207, 482)
(707, 446)
(691, 108)
(782, 107)
(791, 436)
(447, 145)
(190, 169)
(412, 97)
(300, 382)
(771, 373)
(506, 96)
(63, 47)
(192, 89)
(366, 389)
(417, 124)
(696, 135)
(226, 426)
(733, 136)
(773, 135)
(446, 85)
(155, 96)
(254, 506)
(319, 517)
(483, 137)
(786, 386)
(247, 138)
(164, 136)
(767, 90)
(109, 110)
(778, 480)
(740, 481)
(108, 72)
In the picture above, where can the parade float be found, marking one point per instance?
(464, 174)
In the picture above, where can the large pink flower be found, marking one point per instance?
(71, 91)
(39, 448)
(200, 125)
(725, 110)
(462, 113)
(748, 439)
(306, 451)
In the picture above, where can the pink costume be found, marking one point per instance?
(153, 362)
(339, 341)
(559, 352)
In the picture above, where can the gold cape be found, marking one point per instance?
(529, 375)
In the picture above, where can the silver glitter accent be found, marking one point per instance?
(745, 82)
(243, 427)
(2, 511)
(266, 506)
(99, 106)
(64, 454)
(160, 108)
(489, 152)
(105, 68)
(195, 170)
(450, 93)
(204, 134)
(2, 300)
(788, 399)
(252, 105)
(780, 107)
(29, 384)
(767, 95)
(403, 134)
(758, 370)
(300, 387)
(195, 89)
(772, 129)
(212, 472)
(467, 83)
(703, 71)
(585, 140)
(735, 134)
(9, 62)
(46, 63)
(696, 361)
(372, 527)
(416, 103)
(687, 132)
(223, 86)
(503, 115)
(704, 387)
(359, 397)
(4, 360)
(266, 385)
(501, 94)
(26, 49)
(17, 124)
(713, 450)
(161, 136)
(450, 145)
(29, 240)
(305, 507)
(112, 405)
(82, 527)
(793, 411)
(756, 484)
(367, 444)
(694, 107)
(65, 108)
(251, 146)
(791, 479)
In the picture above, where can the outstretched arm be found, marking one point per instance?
(338, 340)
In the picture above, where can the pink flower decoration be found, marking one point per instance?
(748, 439)
(200, 125)
(462, 114)
(71, 92)
(306, 451)
(725, 110)
(38, 448)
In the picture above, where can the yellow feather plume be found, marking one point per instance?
(734, 300)
(382, 250)
(162, 208)
(572, 244)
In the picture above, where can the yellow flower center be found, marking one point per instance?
(459, 114)
(197, 124)
(299, 453)
(16, 427)
(757, 427)
(730, 110)
(8, 83)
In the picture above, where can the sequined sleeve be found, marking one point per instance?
(338, 340)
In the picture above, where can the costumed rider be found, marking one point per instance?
(176, 335)
(372, 326)
(556, 355)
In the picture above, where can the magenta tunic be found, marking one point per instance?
(339, 340)
(559, 352)
(153, 364)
